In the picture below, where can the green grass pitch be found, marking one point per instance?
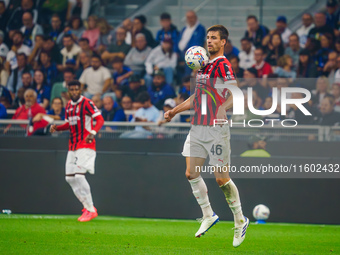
(57, 234)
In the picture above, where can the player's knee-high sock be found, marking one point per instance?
(71, 180)
(200, 191)
(233, 199)
(85, 192)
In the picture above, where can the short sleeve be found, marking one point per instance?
(91, 109)
(82, 77)
(106, 73)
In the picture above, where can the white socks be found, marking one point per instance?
(233, 199)
(81, 189)
(200, 191)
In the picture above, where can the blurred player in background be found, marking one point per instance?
(79, 115)
(206, 139)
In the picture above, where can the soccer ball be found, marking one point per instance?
(261, 212)
(196, 57)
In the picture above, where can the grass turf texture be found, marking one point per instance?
(49, 234)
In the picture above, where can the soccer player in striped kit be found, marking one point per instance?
(79, 115)
(205, 138)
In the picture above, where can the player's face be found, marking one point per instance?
(74, 92)
(214, 42)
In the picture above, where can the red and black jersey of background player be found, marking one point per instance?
(80, 116)
(218, 70)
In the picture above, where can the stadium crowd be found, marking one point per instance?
(46, 44)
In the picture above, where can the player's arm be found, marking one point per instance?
(186, 105)
(62, 127)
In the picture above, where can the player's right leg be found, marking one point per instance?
(200, 191)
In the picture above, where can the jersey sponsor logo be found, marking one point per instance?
(73, 120)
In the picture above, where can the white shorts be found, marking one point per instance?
(80, 161)
(208, 140)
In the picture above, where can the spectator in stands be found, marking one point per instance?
(70, 51)
(337, 72)
(230, 50)
(56, 29)
(97, 78)
(128, 25)
(18, 47)
(98, 102)
(336, 94)
(126, 103)
(50, 46)
(49, 69)
(246, 56)
(293, 49)
(57, 112)
(262, 67)
(235, 61)
(121, 73)
(255, 32)
(75, 27)
(106, 35)
(4, 101)
(169, 104)
(59, 89)
(275, 49)
(3, 47)
(330, 67)
(327, 116)
(3, 74)
(112, 111)
(28, 111)
(92, 32)
(15, 21)
(321, 91)
(117, 49)
(249, 81)
(33, 58)
(27, 83)
(295, 113)
(321, 56)
(168, 30)
(134, 88)
(85, 6)
(43, 90)
(4, 92)
(147, 113)
(303, 31)
(4, 16)
(84, 62)
(332, 13)
(306, 67)
(137, 56)
(285, 67)
(139, 27)
(193, 34)
(15, 79)
(30, 29)
(320, 28)
(51, 7)
(3, 111)
(161, 57)
(282, 29)
(160, 89)
(84, 44)
(185, 88)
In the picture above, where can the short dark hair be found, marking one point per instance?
(224, 33)
(18, 32)
(68, 36)
(245, 39)
(165, 15)
(21, 54)
(141, 18)
(143, 97)
(47, 53)
(260, 48)
(117, 60)
(59, 99)
(74, 83)
(234, 57)
(97, 56)
(69, 70)
(25, 72)
(295, 34)
(186, 78)
(252, 17)
(84, 40)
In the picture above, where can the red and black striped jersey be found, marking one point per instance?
(80, 116)
(218, 71)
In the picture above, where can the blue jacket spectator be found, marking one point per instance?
(4, 92)
(160, 90)
(111, 110)
(168, 31)
(121, 73)
(42, 89)
(48, 68)
(3, 112)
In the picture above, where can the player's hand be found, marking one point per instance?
(53, 128)
(221, 114)
(89, 138)
(169, 115)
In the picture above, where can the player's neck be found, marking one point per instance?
(218, 54)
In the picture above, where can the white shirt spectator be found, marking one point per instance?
(160, 59)
(247, 60)
(151, 114)
(285, 35)
(95, 79)
(12, 58)
(37, 30)
(303, 34)
(70, 54)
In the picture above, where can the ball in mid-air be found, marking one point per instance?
(261, 212)
(196, 57)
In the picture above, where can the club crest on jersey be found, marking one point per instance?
(77, 110)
